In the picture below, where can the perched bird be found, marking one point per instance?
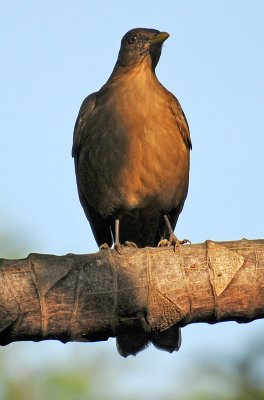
(131, 149)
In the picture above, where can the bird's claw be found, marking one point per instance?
(164, 243)
(104, 246)
(130, 244)
(118, 247)
(173, 241)
(185, 241)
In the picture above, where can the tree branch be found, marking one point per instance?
(93, 297)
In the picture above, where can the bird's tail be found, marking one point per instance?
(168, 340)
(132, 343)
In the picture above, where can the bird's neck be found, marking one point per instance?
(142, 71)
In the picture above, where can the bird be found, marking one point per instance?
(131, 149)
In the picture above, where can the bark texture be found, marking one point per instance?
(96, 296)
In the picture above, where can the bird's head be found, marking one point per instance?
(140, 43)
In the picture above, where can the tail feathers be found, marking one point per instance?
(168, 340)
(129, 344)
(132, 343)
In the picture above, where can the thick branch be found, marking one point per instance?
(92, 297)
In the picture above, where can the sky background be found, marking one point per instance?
(53, 54)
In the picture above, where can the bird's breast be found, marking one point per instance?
(157, 167)
(137, 155)
(157, 160)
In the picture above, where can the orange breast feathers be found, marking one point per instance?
(136, 154)
(157, 159)
(157, 166)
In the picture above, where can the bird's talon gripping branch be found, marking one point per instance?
(104, 246)
(185, 241)
(164, 243)
(130, 244)
(174, 241)
(118, 247)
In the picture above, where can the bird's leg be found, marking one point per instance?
(173, 240)
(117, 245)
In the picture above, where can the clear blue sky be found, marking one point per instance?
(55, 53)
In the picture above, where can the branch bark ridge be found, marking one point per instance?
(92, 297)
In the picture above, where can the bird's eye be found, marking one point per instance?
(132, 40)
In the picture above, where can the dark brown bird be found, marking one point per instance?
(131, 149)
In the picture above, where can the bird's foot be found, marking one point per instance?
(163, 243)
(118, 247)
(173, 241)
(104, 246)
(130, 244)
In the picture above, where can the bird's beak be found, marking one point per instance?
(159, 38)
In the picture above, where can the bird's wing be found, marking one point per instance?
(100, 226)
(80, 129)
(183, 127)
(181, 120)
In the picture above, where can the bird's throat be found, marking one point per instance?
(140, 72)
